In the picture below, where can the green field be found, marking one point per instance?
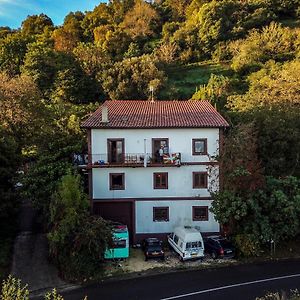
(183, 80)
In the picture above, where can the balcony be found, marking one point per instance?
(129, 160)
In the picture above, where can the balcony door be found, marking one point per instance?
(157, 144)
(115, 150)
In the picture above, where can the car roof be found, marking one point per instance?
(188, 233)
(152, 240)
(216, 237)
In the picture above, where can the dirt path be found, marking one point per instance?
(30, 258)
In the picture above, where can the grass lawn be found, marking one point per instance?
(183, 80)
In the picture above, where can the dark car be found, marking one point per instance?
(152, 248)
(218, 247)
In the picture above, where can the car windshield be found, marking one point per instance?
(224, 243)
(191, 245)
(153, 243)
(154, 248)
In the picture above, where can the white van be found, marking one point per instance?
(187, 242)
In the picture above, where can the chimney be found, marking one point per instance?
(104, 114)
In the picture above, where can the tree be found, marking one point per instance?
(216, 90)
(101, 15)
(113, 40)
(271, 213)
(139, 22)
(21, 109)
(5, 31)
(70, 34)
(177, 8)
(73, 85)
(212, 22)
(92, 58)
(12, 52)
(272, 42)
(9, 163)
(130, 78)
(36, 24)
(272, 102)
(77, 241)
(41, 64)
(274, 86)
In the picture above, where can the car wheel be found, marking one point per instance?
(146, 258)
(214, 255)
(162, 258)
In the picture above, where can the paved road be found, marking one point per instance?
(235, 282)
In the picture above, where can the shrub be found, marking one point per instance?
(12, 289)
(247, 245)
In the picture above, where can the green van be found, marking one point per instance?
(120, 243)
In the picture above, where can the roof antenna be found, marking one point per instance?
(151, 88)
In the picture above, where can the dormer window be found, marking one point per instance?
(199, 146)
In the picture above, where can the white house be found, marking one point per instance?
(152, 164)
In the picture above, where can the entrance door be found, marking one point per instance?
(115, 150)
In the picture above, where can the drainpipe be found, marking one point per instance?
(145, 154)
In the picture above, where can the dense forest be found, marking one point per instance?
(242, 56)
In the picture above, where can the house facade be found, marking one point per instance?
(152, 165)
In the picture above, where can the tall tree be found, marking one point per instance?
(70, 34)
(36, 24)
(131, 78)
(140, 20)
(12, 52)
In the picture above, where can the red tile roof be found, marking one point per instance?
(160, 114)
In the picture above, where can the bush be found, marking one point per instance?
(247, 245)
(12, 289)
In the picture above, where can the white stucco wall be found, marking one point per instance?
(180, 214)
(180, 140)
(139, 182)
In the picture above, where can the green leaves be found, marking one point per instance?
(270, 213)
(77, 240)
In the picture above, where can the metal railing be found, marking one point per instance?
(128, 159)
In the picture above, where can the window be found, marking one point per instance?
(200, 213)
(176, 239)
(199, 146)
(117, 181)
(160, 214)
(199, 180)
(160, 180)
(119, 243)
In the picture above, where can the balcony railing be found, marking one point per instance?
(135, 159)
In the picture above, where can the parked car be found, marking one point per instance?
(187, 242)
(218, 247)
(152, 248)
